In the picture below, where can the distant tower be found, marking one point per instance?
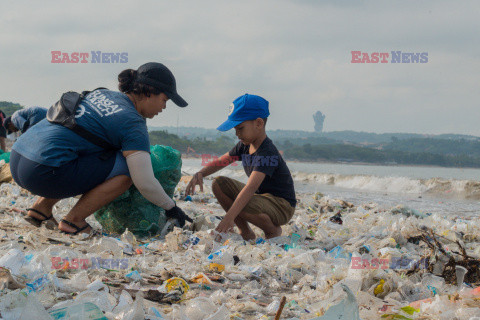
(319, 118)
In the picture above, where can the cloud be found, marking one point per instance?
(294, 53)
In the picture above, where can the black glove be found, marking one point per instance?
(177, 213)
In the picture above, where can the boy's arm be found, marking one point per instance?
(217, 164)
(207, 170)
(253, 183)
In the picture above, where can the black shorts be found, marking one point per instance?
(73, 178)
(3, 132)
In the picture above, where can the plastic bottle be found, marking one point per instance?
(80, 311)
(13, 260)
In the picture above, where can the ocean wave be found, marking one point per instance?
(467, 189)
(464, 189)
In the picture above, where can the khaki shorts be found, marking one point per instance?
(278, 209)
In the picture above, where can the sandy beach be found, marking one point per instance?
(378, 262)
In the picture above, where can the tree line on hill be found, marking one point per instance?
(415, 151)
(9, 107)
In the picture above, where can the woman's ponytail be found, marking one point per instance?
(127, 84)
(126, 80)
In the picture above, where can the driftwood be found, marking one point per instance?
(460, 258)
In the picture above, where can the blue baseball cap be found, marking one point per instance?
(244, 108)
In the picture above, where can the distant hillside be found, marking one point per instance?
(193, 132)
(436, 146)
(303, 137)
(438, 152)
(378, 138)
(9, 107)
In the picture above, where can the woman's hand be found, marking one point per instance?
(197, 179)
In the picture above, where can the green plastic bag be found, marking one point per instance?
(5, 156)
(131, 210)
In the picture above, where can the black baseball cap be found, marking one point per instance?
(158, 76)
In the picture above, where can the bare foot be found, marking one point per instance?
(276, 231)
(248, 235)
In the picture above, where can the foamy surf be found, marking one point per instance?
(467, 189)
(462, 189)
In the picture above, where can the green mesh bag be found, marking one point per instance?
(5, 156)
(131, 210)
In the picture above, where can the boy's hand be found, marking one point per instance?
(197, 179)
(226, 225)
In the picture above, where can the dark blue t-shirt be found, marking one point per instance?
(25, 118)
(108, 114)
(278, 180)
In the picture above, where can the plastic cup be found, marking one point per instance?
(460, 272)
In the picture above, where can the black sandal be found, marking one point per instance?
(35, 221)
(75, 227)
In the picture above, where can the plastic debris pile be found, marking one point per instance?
(377, 263)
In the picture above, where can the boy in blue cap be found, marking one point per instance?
(268, 199)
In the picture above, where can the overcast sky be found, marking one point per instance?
(296, 54)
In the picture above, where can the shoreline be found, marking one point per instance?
(357, 163)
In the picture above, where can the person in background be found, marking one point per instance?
(3, 132)
(21, 120)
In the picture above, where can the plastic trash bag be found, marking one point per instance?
(5, 156)
(131, 210)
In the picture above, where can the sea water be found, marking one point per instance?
(445, 191)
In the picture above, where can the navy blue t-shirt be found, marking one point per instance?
(25, 118)
(108, 114)
(278, 180)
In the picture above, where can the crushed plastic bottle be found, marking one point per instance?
(134, 276)
(80, 311)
